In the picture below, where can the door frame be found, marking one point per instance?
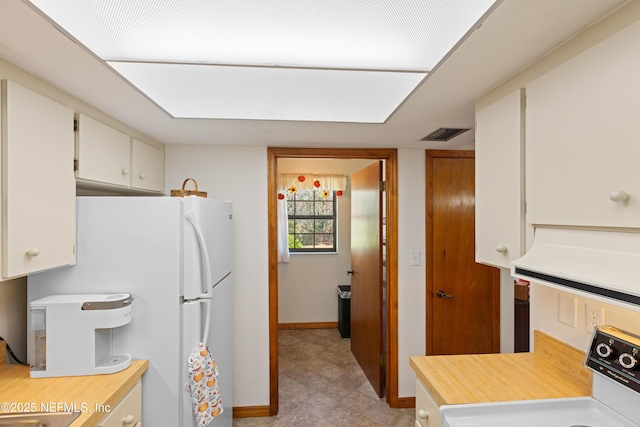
(390, 156)
(495, 333)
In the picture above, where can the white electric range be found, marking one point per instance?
(613, 355)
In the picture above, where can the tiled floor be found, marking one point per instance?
(322, 385)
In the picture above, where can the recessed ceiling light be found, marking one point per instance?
(328, 60)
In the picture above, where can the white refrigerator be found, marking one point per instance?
(174, 256)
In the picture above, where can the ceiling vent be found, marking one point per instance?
(443, 134)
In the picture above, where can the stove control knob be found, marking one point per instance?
(604, 350)
(627, 361)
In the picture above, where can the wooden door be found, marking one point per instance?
(463, 297)
(366, 281)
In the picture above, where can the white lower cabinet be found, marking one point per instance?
(427, 410)
(128, 412)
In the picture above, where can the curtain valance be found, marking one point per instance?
(312, 181)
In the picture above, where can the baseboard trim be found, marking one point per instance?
(406, 402)
(309, 325)
(250, 411)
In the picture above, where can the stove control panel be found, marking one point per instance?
(615, 353)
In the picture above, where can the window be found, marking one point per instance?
(312, 221)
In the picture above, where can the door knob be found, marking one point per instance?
(441, 294)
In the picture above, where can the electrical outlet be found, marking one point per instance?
(594, 316)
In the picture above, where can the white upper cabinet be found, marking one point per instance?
(147, 166)
(38, 183)
(103, 153)
(106, 156)
(583, 130)
(500, 181)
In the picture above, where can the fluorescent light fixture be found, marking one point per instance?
(262, 52)
(231, 92)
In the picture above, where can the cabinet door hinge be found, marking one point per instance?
(383, 186)
(75, 125)
(383, 360)
(75, 165)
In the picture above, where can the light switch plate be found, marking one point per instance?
(567, 310)
(415, 257)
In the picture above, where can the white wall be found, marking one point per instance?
(307, 284)
(411, 279)
(544, 316)
(238, 174)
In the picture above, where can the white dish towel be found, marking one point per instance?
(203, 385)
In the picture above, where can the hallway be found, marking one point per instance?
(322, 385)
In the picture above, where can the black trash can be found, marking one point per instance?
(344, 310)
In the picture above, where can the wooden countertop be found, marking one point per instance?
(86, 393)
(554, 370)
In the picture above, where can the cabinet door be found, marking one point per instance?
(148, 167)
(500, 181)
(103, 153)
(38, 183)
(128, 412)
(427, 410)
(582, 130)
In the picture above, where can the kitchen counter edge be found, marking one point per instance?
(85, 393)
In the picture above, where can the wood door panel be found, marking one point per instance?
(468, 322)
(366, 282)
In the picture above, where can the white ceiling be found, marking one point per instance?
(517, 33)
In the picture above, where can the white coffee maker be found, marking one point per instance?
(71, 334)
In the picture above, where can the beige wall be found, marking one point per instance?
(13, 316)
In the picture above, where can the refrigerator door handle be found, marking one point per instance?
(204, 254)
(207, 323)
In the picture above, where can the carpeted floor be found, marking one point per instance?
(322, 385)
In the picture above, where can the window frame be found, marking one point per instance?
(333, 217)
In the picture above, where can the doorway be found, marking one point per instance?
(390, 332)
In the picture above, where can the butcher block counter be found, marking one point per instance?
(553, 370)
(92, 395)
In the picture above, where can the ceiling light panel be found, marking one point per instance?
(231, 92)
(346, 34)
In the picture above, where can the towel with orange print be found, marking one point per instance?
(203, 384)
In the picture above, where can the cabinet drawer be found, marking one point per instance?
(427, 410)
(128, 412)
